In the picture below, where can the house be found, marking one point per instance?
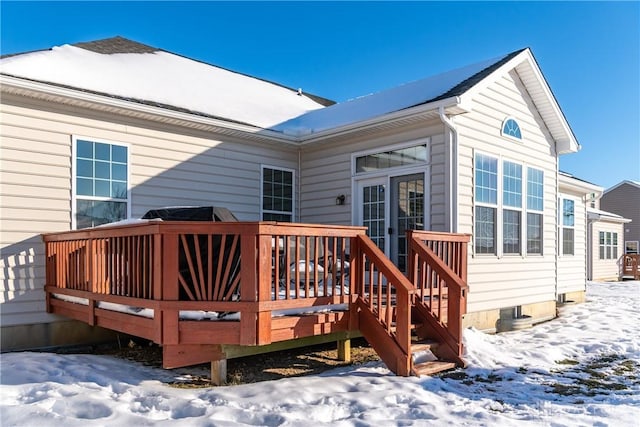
(107, 130)
(624, 199)
(602, 243)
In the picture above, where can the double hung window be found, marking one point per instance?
(608, 245)
(567, 225)
(277, 194)
(486, 195)
(509, 207)
(101, 182)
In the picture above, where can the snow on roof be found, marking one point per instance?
(156, 76)
(600, 214)
(440, 86)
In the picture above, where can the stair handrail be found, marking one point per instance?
(403, 287)
(458, 289)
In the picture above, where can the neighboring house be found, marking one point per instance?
(624, 199)
(100, 131)
(601, 245)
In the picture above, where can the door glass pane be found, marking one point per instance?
(373, 213)
(409, 201)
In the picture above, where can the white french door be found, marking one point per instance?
(388, 206)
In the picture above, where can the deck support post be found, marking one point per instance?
(219, 372)
(344, 350)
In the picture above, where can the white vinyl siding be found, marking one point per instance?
(326, 172)
(169, 166)
(508, 281)
(572, 266)
(608, 266)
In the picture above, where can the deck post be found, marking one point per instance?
(344, 350)
(219, 372)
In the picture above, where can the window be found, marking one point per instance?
(414, 155)
(512, 204)
(608, 245)
(567, 225)
(511, 128)
(535, 207)
(277, 194)
(486, 196)
(631, 247)
(502, 196)
(101, 183)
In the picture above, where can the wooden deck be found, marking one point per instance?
(196, 287)
(630, 266)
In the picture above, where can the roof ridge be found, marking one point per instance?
(117, 44)
(468, 83)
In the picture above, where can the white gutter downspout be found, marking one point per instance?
(299, 201)
(453, 170)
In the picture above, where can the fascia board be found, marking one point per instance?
(567, 144)
(124, 105)
(412, 111)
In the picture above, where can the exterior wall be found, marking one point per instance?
(168, 166)
(326, 173)
(572, 269)
(605, 269)
(625, 201)
(497, 282)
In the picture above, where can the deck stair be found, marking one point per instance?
(411, 323)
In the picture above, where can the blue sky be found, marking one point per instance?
(589, 52)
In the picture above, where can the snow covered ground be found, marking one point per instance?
(582, 369)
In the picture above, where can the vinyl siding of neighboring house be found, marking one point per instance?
(605, 269)
(510, 280)
(168, 167)
(624, 200)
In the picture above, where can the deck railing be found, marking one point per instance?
(253, 279)
(631, 266)
(172, 267)
(438, 270)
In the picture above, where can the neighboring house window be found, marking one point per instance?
(512, 205)
(486, 198)
(535, 207)
(101, 183)
(511, 128)
(277, 194)
(631, 247)
(608, 245)
(567, 225)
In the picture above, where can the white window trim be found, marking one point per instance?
(523, 201)
(74, 197)
(512, 138)
(390, 171)
(561, 226)
(500, 207)
(293, 191)
(527, 210)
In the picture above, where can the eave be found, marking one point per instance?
(99, 102)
